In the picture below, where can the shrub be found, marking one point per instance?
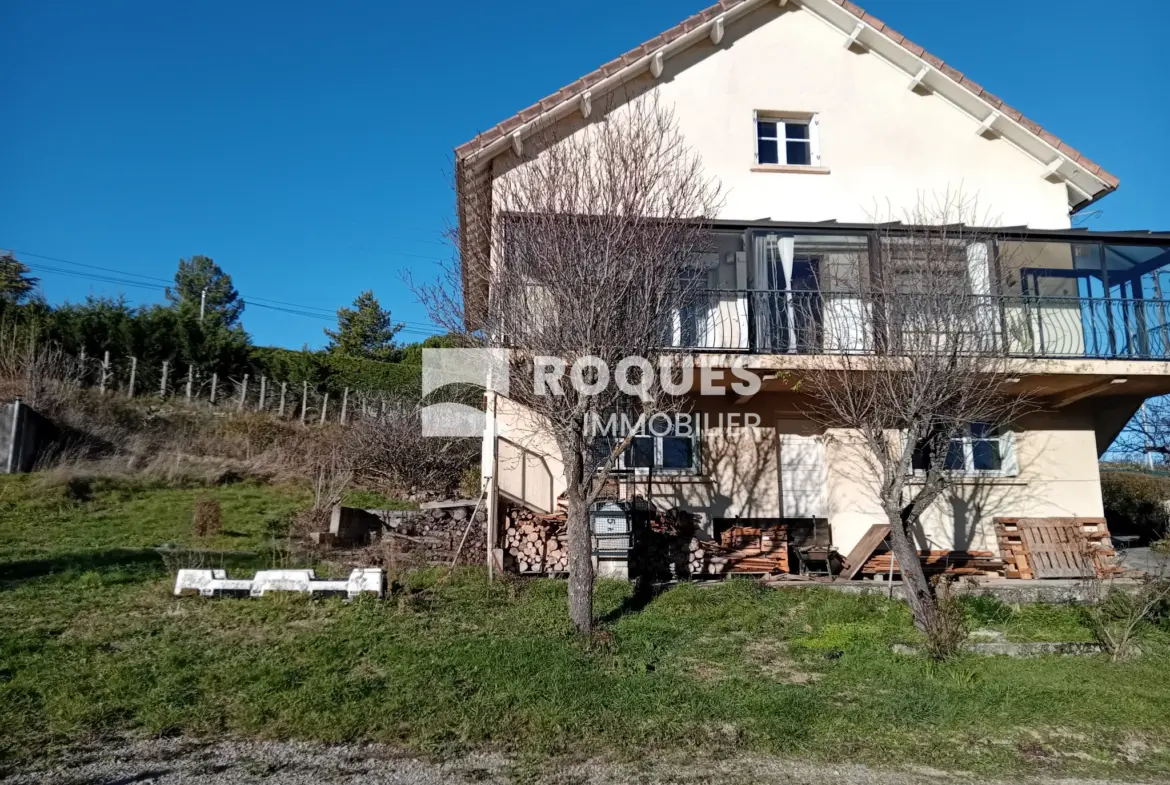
(470, 483)
(946, 639)
(207, 521)
(1135, 503)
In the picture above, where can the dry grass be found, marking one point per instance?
(207, 521)
(174, 441)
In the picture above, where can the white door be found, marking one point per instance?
(802, 475)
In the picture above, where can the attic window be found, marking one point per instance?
(786, 141)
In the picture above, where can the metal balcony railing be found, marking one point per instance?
(805, 322)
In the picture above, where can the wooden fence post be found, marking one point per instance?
(304, 401)
(344, 404)
(162, 388)
(263, 393)
(283, 387)
(133, 374)
(243, 394)
(214, 384)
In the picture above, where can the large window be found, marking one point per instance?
(980, 449)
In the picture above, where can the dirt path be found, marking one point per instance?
(173, 761)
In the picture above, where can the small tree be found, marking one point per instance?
(200, 281)
(593, 234)
(16, 282)
(938, 371)
(366, 330)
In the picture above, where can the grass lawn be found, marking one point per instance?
(91, 642)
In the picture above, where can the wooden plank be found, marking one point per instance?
(864, 549)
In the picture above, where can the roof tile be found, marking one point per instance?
(609, 69)
(952, 72)
(893, 34)
(912, 47)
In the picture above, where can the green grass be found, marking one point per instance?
(92, 643)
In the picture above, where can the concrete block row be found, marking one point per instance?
(215, 583)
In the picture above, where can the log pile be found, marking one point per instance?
(535, 543)
(740, 549)
(938, 562)
(1092, 534)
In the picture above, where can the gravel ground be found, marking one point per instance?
(172, 761)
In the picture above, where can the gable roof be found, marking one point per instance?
(1061, 159)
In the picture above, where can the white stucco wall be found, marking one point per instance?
(1056, 456)
(885, 146)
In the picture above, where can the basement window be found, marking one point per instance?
(661, 450)
(786, 141)
(979, 450)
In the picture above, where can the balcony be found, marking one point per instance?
(818, 322)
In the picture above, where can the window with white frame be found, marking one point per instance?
(660, 447)
(979, 449)
(787, 141)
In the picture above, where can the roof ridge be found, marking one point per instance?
(647, 48)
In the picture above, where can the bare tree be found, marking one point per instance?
(1146, 438)
(932, 391)
(592, 233)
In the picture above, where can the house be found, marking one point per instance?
(808, 111)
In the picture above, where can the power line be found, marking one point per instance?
(427, 327)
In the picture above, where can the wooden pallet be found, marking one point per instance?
(1038, 548)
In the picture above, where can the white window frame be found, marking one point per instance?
(782, 121)
(1007, 456)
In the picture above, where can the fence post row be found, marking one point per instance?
(365, 401)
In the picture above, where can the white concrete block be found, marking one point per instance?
(215, 583)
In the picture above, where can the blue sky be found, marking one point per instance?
(306, 146)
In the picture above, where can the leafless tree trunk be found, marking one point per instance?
(935, 383)
(578, 249)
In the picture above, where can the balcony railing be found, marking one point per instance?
(802, 322)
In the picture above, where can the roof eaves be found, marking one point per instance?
(616, 65)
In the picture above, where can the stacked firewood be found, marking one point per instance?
(741, 549)
(535, 543)
(707, 557)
